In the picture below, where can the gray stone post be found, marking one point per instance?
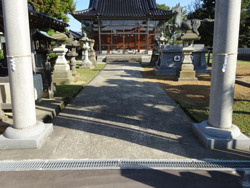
(225, 50)
(218, 131)
(26, 131)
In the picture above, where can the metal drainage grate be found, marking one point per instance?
(124, 164)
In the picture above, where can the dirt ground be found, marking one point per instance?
(243, 72)
(198, 91)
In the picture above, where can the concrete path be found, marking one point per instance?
(120, 116)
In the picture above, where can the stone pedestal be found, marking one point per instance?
(62, 73)
(213, 138)
(171, 58)
(199, 59)
(169, 61)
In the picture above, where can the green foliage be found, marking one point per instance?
(163, 7)
(241, 115)
(55, 8)
(206, 30)
(1, 55)
(209, 5)
(66, 30)
(51, 32)
(52, 58)
(87, 75)
(244, 40)
(67, 91)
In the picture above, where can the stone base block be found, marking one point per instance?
(202, 71)
(86, 64)
(187, 76)
(27, 143)
(62, 77)
(215, 138)
(162, 71)
(145, 58)
(93, 60)
(128, 58)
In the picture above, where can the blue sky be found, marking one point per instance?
(83, 4)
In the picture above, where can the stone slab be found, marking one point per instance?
(240, 142)
(169, 71)
(32, 143)
(127, 58)
(48, 109)
(187, 76)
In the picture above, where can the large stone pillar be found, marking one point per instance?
(26, 131)
(218, 131)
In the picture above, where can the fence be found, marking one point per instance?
(244, 54)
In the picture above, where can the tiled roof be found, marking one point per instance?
(122, 9)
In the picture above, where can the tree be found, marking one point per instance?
(55, 8)
(244, 40)
(163, 7)
(204, 9)
(206, 30)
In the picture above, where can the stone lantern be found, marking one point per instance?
(92, 55)
(85, 42)
(62, 73)
(159, 43)
(187, 72)
(72, 45)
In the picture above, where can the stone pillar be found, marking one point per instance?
(62, 73)
(26, 131)
(218, 131)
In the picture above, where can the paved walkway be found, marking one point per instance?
(120, 116)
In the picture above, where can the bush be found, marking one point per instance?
(1, 55)
(52, 58)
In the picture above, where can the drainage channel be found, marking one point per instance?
(208, 165)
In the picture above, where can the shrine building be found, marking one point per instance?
(123, 26)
